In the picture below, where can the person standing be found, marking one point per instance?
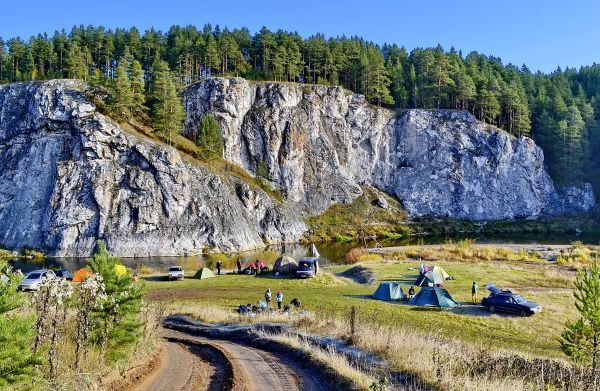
(268, 297)
(239, 266)
(279, 298)
(474, 289)
(219, 265)
(411, 292)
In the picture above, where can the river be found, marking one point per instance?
(331, 253)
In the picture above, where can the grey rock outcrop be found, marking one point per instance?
(70, 176)
(320, 144)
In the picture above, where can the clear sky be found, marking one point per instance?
(542, 34)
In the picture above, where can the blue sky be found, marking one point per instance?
(542, 34)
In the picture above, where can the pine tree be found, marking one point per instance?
(209, 138)
(76, 66)
(136, 76)
(581, 339)
(17, 362)
(377, 80)
(167, 109)
(121, 95)
(116, 326)
(466, 91)
(488, 106)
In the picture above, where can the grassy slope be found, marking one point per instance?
(328, 295)
(193, 154)
(344, 221)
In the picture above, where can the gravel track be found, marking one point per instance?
(198, 363)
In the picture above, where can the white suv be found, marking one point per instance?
(32, 280)
(175, 273)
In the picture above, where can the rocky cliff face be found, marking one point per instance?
(321, 144)
(70, 176)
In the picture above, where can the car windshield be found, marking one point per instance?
(175, 269)
(519, 299)
(33, 276)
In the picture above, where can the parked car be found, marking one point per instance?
(64, 273)
(507, 301)
(33, 279)
(175, 273)
(307, 267)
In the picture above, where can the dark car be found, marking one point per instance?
(64, 273)
(307, 267)
(507, 301)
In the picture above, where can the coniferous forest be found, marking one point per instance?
(560, 110)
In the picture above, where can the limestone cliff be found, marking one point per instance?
(70, 176)
(321, 143)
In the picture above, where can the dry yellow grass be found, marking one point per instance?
(433, 360)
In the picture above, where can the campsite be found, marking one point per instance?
(331, 295)
(364, 308)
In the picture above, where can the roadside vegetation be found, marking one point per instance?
(74, 336)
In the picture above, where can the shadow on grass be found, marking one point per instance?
(478, 310)
(154, 278)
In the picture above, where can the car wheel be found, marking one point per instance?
(492, 309)
(522, 313)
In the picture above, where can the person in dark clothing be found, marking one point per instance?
(296, 302)
(239, 266)
(219, 265)
(411, 292)
(279, 298)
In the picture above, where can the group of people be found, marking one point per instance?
(266, 305)
(255, 267)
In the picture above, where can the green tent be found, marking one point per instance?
(433, 276)
(204, 273)
(389, 291)
(433, 297)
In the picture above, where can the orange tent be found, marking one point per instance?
(81, 274)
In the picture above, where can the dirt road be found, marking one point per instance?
(179, 369)
(197, 363)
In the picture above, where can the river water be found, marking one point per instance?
(331, 253)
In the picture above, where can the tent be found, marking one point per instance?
(441, 272)
(389, 291)
(81, 274)
(120, 270)
(436, 276)
(285, 265)
(204, 273)
(433, 297)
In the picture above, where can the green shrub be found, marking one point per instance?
(5, 255)
(33, 254)
(391, 235)
(369, 257)
(226, 261)
(343, 238)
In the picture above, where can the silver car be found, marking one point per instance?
(175, 273)
(33, 279)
